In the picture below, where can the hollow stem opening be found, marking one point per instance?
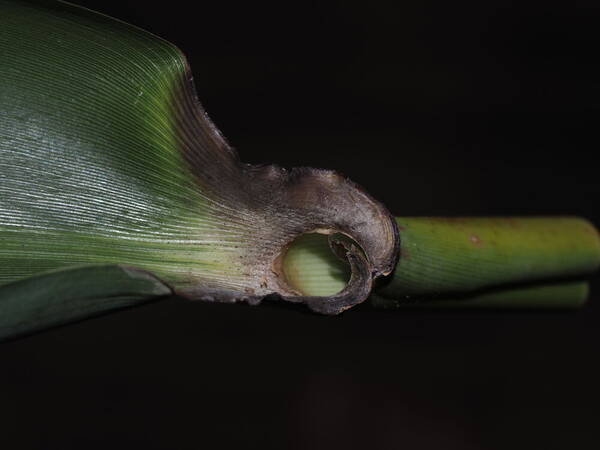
(311, 268)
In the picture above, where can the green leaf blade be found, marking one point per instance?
(68, 295)
(92, 166)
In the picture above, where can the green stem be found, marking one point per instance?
(468, 262)
(548, 296)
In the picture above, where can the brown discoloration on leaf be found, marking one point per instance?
(404, 253)
(275, 206)
(475, 239)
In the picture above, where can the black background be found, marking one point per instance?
(437, 108)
